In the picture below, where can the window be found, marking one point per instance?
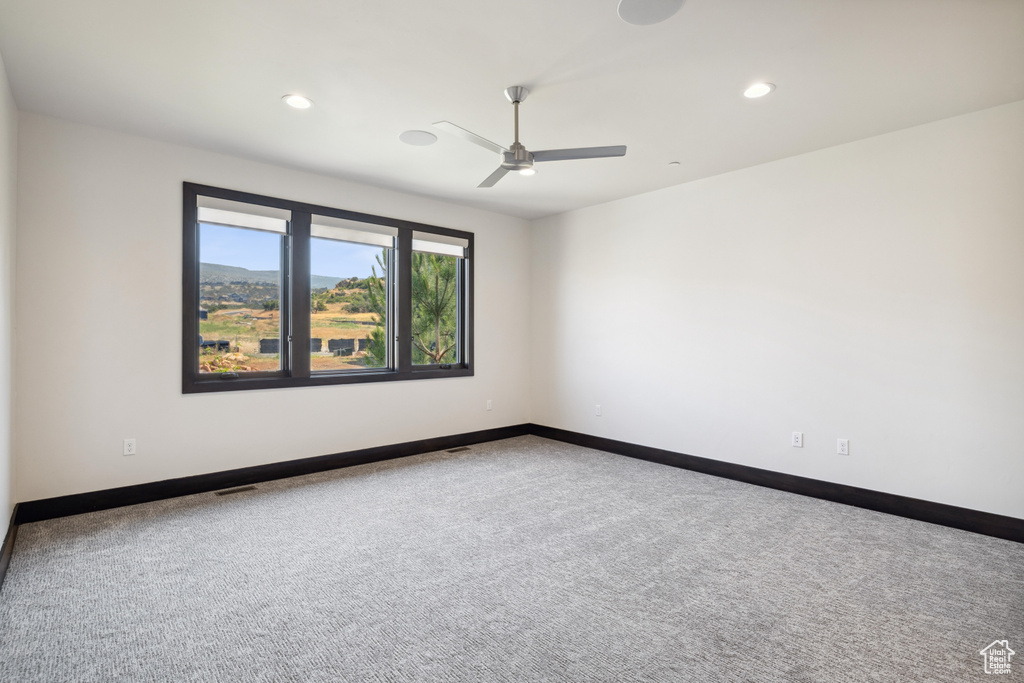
(279, 293)
(352, 313)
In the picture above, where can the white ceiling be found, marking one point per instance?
(211, 73)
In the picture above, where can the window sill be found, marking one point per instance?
(199, 386)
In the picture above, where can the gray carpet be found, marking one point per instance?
(519, 560)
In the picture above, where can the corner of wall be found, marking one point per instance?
(8, 216)
(869, 292)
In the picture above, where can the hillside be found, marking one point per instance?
(217, 274)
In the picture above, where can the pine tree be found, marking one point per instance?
(434, 310)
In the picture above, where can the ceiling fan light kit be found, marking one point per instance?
(516, 157)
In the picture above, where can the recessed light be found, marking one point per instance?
(298, 101)
(420, 138)
(647, 12)
(758, 90)
(527, 171)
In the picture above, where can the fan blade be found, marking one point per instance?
(494, 177)
(579, 153)
(470, 137)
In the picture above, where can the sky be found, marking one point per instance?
(259, 250)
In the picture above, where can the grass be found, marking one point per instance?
(337, 323)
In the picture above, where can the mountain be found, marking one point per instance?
(215, 274)
(323, 281)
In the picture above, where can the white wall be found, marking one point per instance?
(99, 322)
(8, 189)
(872, 291)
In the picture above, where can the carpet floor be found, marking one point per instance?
(517, 560)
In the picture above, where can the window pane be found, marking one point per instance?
(435, 309)
(349, 302)
(239, 299)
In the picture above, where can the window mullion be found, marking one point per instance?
(297, 278)
(404, 331)
(190, 279)
(466, 307)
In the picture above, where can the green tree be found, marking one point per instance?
(376, 287)
(434, 308)
(357, 302)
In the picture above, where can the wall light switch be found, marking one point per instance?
(798, 439)
(488, 404)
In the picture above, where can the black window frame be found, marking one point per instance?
(295, 295)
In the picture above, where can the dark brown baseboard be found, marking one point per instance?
(62, 506)
(8, 548)
(999, 526)
(1009, 528)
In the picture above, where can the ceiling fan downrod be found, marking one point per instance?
(515, 95)
(515, 105)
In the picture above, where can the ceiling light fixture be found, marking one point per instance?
(420, 138)
(297, 101)
(527, 171)
(758, 90)
(647, 12)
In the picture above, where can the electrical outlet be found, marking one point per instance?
(843, 446)
(488, 404)
(597, 410)
(129, 447)
(798, 439)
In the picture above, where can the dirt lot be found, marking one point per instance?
(242, 328)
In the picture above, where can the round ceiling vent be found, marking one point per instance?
(647, 12)
(420, 138)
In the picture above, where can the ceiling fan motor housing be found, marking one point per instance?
(517, 158)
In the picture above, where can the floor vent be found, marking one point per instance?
(240, 489)
(458, 450)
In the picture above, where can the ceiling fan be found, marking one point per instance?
(517, 157)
